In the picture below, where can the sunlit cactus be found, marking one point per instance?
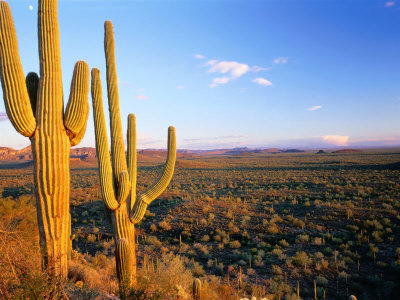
(35, 108)
(118, 178)
(197, 289)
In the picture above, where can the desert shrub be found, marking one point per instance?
(93, 271)
(153, 240)
(321, 281)
(284, 243)
(301, 258)
(317, 241)
(276, 270)
(91, 238)
(235, 244)
(302, 239)
(205, 238)
(273, 229)
(164, 225)
(170, 277)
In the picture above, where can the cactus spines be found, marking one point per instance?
(197, 289)
(35, 107)
(122, 259)
(118, 177)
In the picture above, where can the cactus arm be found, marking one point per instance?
(160, 185)
(124, 186)
(77, 112)
(132, 157)
(106, 179)
(117, 141)
(15, 93)
(77, 139)
(32, 84)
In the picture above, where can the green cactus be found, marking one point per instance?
(118, 180)
(35, 108)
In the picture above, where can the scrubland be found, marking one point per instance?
(247, 225)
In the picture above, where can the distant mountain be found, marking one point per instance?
(241, 151)
(292, 151)
(89, 155)
(348, 151)
(15, 155)
(84, 154)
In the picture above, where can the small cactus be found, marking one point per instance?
(35, 108)
(118, 179)
(197, 289)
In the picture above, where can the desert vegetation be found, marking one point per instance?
(244, 225)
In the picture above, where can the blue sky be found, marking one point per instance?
(236, 73)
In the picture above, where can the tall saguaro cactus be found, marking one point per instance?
(35, 108)
(118, 179)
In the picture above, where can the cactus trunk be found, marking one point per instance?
(124, 231)
(35, 107)
(51, 177)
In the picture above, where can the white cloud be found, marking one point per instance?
(199, 56)
(258, 69)
(389, 3)
(221, 80)
(234, 68)
(281, 60)
(141, 97)
(180, 87)
(231, 69)
(262, 81)
(338, 140)
(314, 108)
(30, 7)
(3, 116)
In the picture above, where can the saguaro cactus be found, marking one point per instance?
(118, 180)
(35, 108)
(197, 289)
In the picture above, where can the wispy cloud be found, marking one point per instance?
(314, 108)
(141, 97)
(216, 138)
(338, 140)
(217, 142)
(262, 81)
(3, 116)
(281, 60)
(180, 87)
(125, 82)
(199, 56)
(144, 141)
(233, 68)
(219, 80)
(389, 3)
(258, 69)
